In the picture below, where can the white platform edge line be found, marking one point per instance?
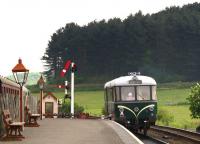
(138, 140)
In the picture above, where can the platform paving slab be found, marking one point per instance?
(75, 131)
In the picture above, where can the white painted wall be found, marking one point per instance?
(49, 98)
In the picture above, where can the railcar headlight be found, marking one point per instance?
(121, 110)
(136, 109)
(151, 108)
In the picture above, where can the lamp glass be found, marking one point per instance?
(41, 85)
(20, 77)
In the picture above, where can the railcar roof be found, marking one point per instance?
(124, 81)
(8, 81)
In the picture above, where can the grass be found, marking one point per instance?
(92, 101)
(172, 100)
(182, 117)
(172, 96)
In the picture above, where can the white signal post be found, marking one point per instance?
(72, 91)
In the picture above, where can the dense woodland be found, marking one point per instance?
(164, 45)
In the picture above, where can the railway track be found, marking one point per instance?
(174, 135)
(149, 140)
(146, 139)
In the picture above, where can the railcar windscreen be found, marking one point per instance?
(127, 93)
(143, 93)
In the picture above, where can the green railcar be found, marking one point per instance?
(132, 101)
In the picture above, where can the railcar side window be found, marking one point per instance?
(143, 93)
(127, 93)
(109, 94)
(154, 95)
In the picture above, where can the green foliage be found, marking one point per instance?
(164, 116)
(104, 111)
(66, 107)
(33, 88)
(169, 97)
(164, 45)
(161, 75)
(194, 101)
(176, 85)
(198, 129)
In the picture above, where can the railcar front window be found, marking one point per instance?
(127, 93)
(143, 93)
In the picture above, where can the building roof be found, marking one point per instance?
(50, 94)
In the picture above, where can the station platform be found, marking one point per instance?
(77, 131)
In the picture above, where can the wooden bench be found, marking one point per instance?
(11, 126)
(32, 118)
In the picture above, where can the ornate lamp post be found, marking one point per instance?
(20, 74)
(41, 85)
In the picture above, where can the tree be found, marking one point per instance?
(194, 101)
(164, 45)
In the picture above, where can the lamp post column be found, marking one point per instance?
(41, 98)
(20, 103)
(41, 86)
(20, 74)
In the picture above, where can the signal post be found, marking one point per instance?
(73, 68)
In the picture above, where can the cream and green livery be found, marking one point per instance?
(132, 101)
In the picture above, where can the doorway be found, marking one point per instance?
(49, 109)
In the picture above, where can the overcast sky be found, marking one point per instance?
(27, 25)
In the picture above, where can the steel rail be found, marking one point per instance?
(187, 135)
(142, 137)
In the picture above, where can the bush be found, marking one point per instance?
(165, 117)
(103, 111)
(66, 108)
(194, 101)
(198, 129)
